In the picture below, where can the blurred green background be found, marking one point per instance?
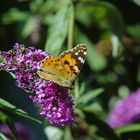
(111, 31)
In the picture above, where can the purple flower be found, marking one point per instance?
(125, 111)
(23, 133)
(57, 105)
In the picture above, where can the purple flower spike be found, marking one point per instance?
(57, 105)
(58, 109)
(125, 111)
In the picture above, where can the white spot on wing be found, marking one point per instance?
(85, 53)
(81, 59)
(76, 68)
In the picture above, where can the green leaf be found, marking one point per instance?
(14, 15)
(128, 128)
(134, 31)
(12, 74)
(96, 61)
(7, 106)
(137, 2)
(2, 136)
(2, 60)
(100, 14)
(94, 107)
(51, 6)
(58, 30)
(28, 27)
(79, 112)
(92, 94)
(35, 6)
(53, 133)
(82, 87)
(6, 120)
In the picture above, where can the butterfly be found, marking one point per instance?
(63, 69)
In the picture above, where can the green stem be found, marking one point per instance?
(71, 28)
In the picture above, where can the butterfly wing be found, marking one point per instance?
(64, 68)
(73, 60)
(52, 69)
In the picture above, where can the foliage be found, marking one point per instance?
(111, 70)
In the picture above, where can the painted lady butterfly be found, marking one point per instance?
(64, 68)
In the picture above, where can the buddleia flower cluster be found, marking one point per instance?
(125, 111)
(56, 103)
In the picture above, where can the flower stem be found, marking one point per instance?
(71, 28)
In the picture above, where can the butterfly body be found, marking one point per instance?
(64, 68)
